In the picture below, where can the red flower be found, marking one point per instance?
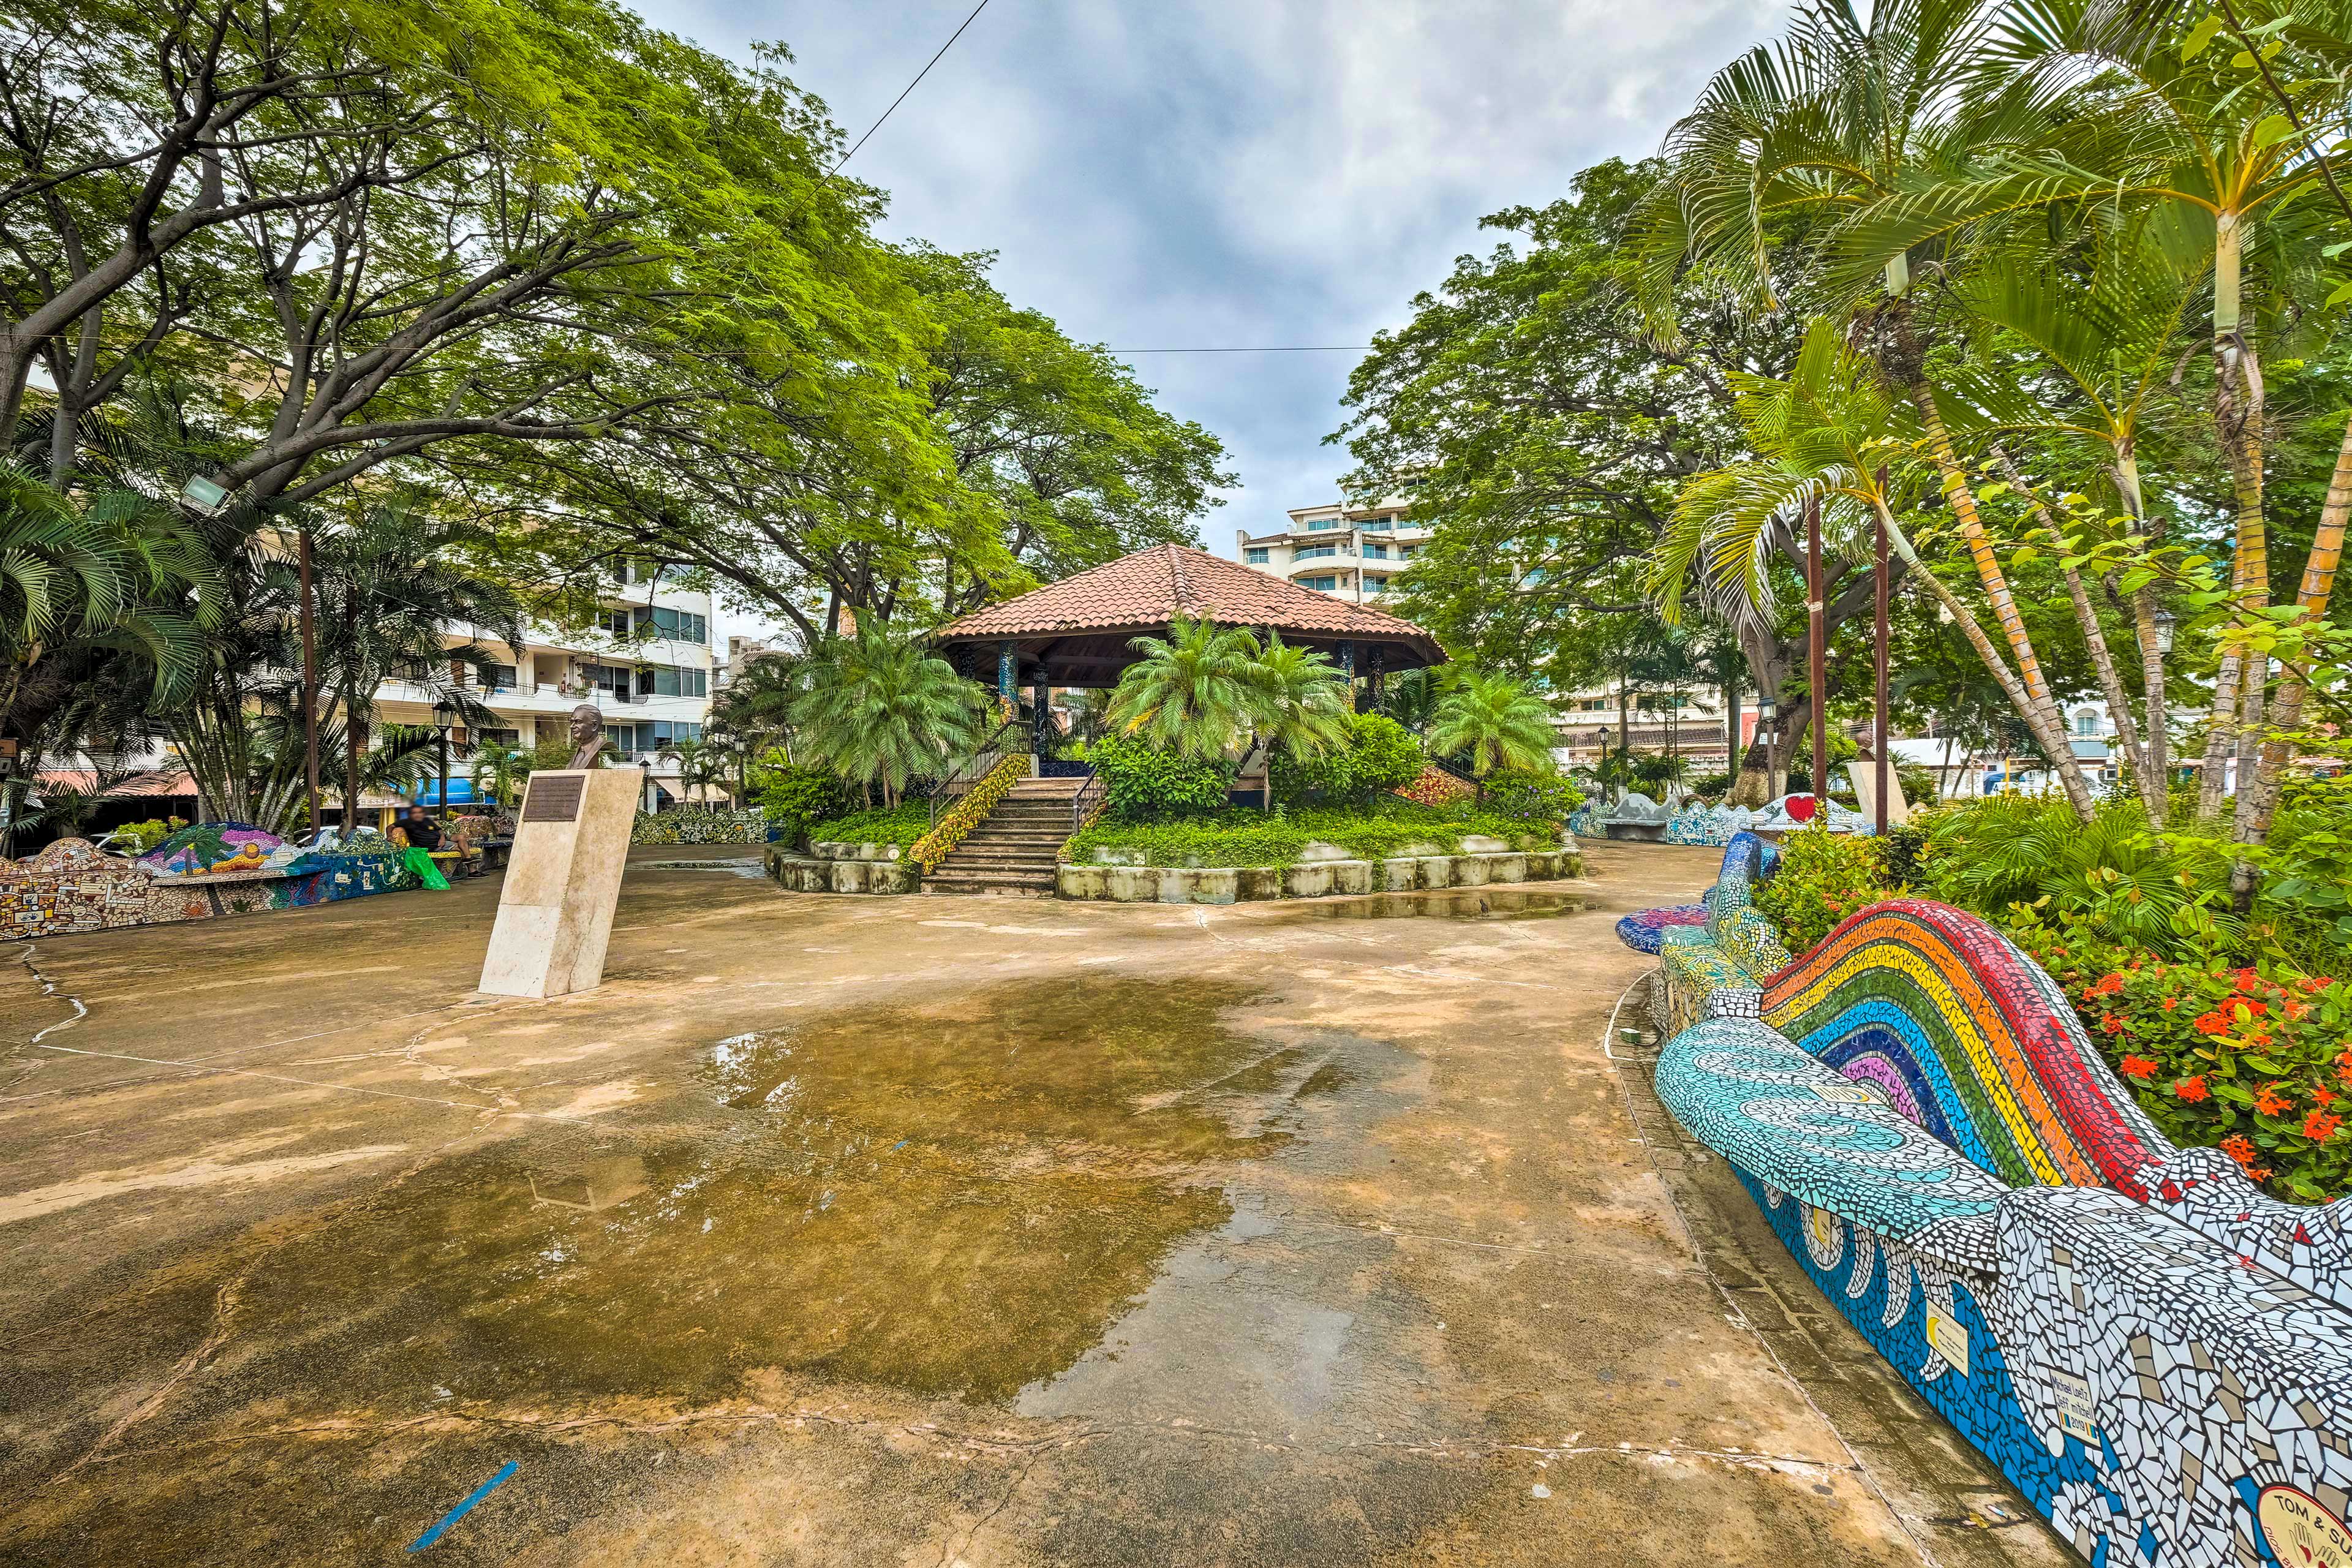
(2245, 1010)
(2109, 983)
(2170, 1003)
(2316, 983)
(2271, 1102)
(2111, 1023)
(2212, 1023)
(2293, 1009)
(2323, 1096)
(2135, 1067)
(2237, 1147)
(2191, 1088)
(2248, 980)
(2320, 1127)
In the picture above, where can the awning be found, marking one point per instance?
(164, 783)
(461, 793)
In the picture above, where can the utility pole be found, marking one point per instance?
(1818, 669)
(310, 683)
(1878, 739)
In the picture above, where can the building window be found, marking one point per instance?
(669, 680)
(1376, 585)
(1377, 524)
(1257, 557)
(498, 676)
(2086, 722)
(1317, 524)
(1373, 552)
(1313, 551)
(498, 737)
(1326, 583)
(612, 622)
(677, 626)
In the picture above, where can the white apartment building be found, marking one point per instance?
(1348, 552)
(645, 662)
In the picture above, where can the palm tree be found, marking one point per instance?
(2110, 337)
(85, 581)
(392, 589)
(2150, 122)
(1826, 434)
(877, 708)
(1499, 722)
(499, 772)
(700, 763)
(1836, 122)
(1192, 692)
(1299, 699)
(756, 704)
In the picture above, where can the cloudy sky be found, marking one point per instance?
(1187, 173)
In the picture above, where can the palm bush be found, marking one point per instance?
(1497, 722)
(1192, 692)
(878, 708)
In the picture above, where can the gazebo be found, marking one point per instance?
(1075, 633)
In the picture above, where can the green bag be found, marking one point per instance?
(421, 862)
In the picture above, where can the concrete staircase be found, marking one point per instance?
(1015, 848)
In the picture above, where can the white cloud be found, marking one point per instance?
(1238, 172)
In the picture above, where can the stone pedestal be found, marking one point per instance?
(555, 911)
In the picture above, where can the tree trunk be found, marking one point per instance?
(2257, 794)
(2238, 422)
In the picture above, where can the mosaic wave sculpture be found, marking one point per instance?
(1722, 959)
(1711, 826)
(2158, 1355)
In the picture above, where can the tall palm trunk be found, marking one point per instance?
(2257, 794)
(2238, 406)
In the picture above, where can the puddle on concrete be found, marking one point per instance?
(748, 867)
(950, 1200)
(1456, 904)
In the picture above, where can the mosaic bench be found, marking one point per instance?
(2158, 1355)
(1714, 951)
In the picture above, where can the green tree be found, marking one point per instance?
(1497, 722)
(879, 708)
(499, 772)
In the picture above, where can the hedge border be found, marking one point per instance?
(969, 812)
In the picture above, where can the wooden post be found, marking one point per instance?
(1880, 635)
(310, 683)
(1818, 655)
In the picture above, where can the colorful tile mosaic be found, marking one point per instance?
(1641, 931)
(699, 825)
(2159, 1356)
(74, 886)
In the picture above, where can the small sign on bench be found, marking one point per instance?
(553, 797)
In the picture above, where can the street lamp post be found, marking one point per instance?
(645, 796)
(444, 716)
(1768, 735)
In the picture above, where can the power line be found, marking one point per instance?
(911, 86)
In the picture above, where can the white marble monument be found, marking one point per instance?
(563, 878)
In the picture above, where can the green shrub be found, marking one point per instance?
(1824, 877)
(1714, 786)
(796, 798)
(902, 825)
(1531, 797)
(1379, 756)
(1143, 784)
(2253, 1060)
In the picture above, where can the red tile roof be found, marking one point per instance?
(1153, 586)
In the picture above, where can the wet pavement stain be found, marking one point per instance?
(950, 1201)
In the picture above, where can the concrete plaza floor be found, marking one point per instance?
(929, 1230)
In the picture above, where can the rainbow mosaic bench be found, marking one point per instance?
(2158, 1355)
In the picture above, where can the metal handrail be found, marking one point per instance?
(976, 764)
(1090, 794)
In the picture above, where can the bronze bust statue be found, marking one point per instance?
(587, 737)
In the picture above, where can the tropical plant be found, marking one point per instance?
(1192, 693)
(878, 708)
(1840, 119)
(1826, 436)
(1497, 722)
(498, 773)
(1142, 782)
(700, 763)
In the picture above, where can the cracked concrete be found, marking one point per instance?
(912, 1231)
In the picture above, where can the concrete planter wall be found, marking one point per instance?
(1311, 880)
(810, 874)
(834, 851)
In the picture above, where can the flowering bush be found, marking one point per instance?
(1436, 786)
(2254, 1061)
(1824, 877)
(969, 812)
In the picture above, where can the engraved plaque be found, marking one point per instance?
(553, 797)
